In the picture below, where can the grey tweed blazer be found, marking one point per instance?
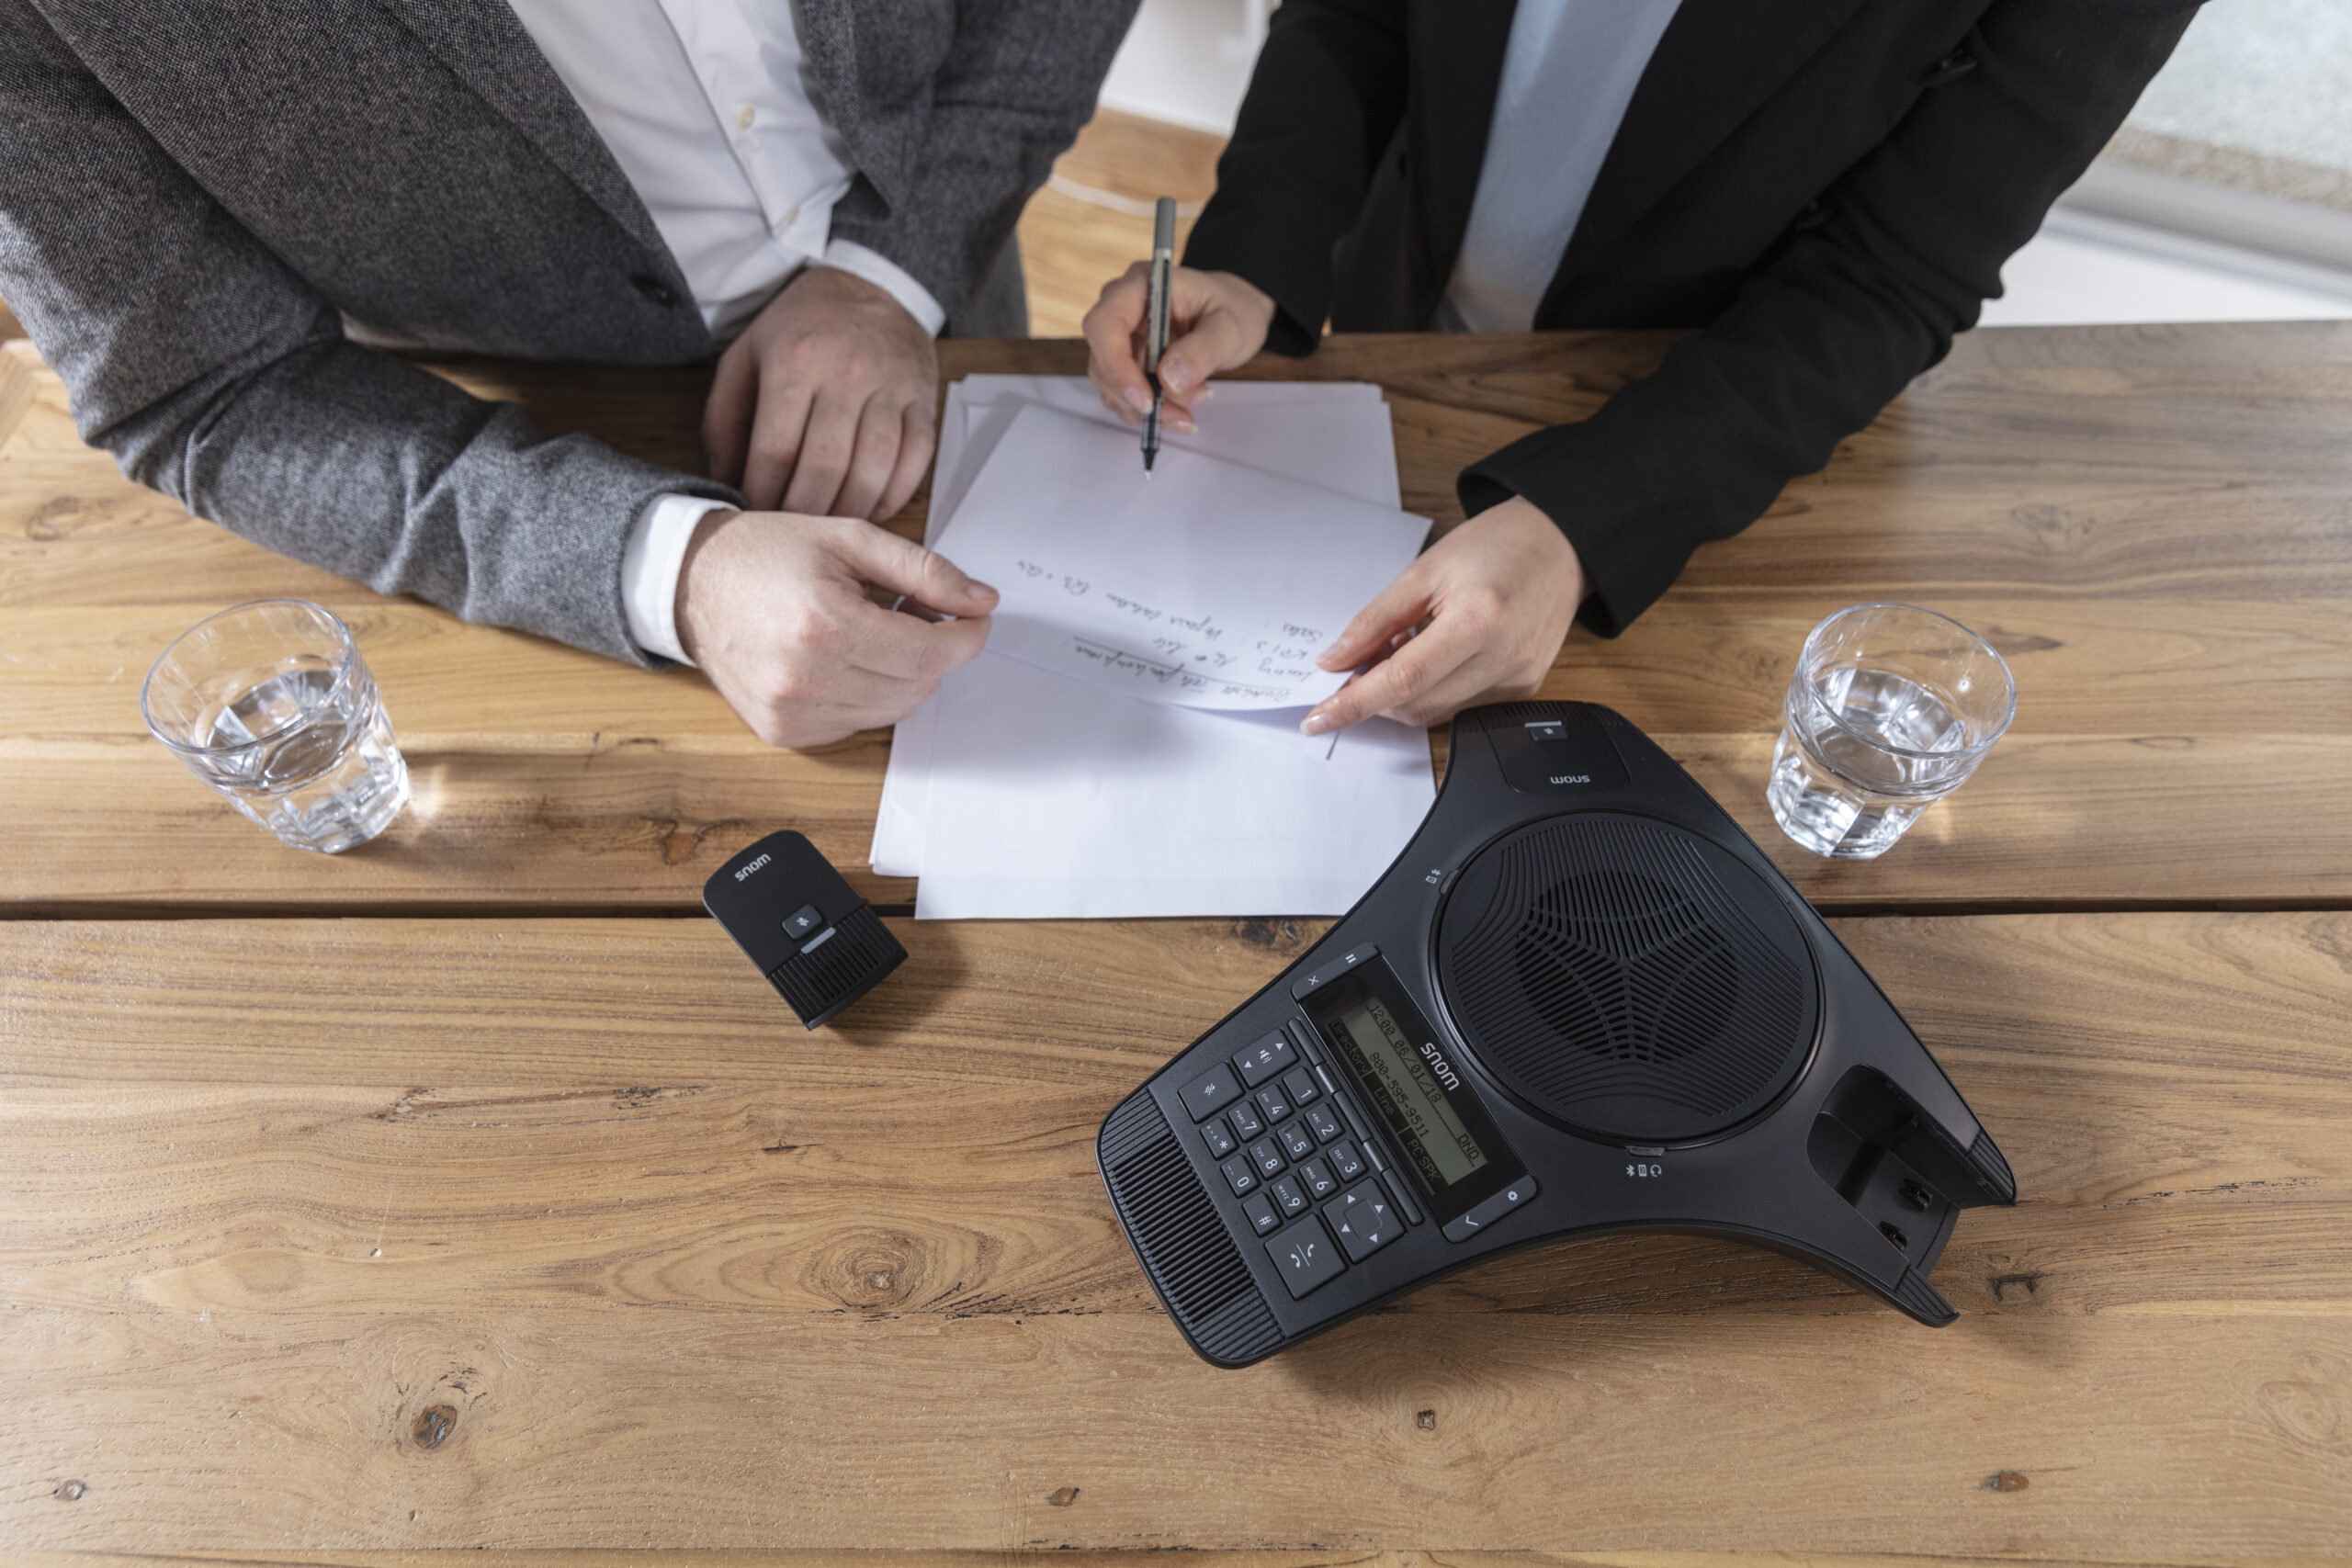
(194, 197)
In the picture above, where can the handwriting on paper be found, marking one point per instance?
(1214, 586)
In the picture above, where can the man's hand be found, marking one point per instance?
(824, 404)
(774, 608)
(1499, 593)
(1215, 322)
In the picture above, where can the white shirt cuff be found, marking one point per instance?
(847, 255)
(651, 562)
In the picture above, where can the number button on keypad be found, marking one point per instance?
(1239, 1177)
(1319, 1182)
(1246, 1122)
(1288, 1195)
(1301, 1084)
(1295, 1140)
(1266, 1159)
(1346, 1161)
(1271, 1101)
(1325, 1125)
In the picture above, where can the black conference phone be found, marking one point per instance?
(1581, 1000)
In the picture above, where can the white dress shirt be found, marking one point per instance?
(706, 107)
(1568, 73)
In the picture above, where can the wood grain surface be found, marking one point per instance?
(562, 1233)
(2152, 523)
(277, 1192)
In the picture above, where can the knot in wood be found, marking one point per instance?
(2006, 1481)
(1425, 1419)
(70, 1491)
(434, 1425)
(874, 1271)
(1062, 1498)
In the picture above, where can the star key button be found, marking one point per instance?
(1364, 1220)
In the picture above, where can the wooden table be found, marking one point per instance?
(469, 1190)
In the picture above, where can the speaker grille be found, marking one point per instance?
(1627, 978)
(862, 951)
(1176, 1232)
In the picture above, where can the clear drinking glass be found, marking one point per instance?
(271, 704)
(1891, 708)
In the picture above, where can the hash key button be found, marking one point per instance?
(1304, 1257)
(1364, 1220)
(1211, 1092)
(1260, 1210)
(1265, 1059)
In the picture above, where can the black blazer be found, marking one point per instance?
(1826, 188)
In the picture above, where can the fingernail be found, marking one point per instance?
(1181, 425)
(1205, 394)
(1174, 378)
(1138, 400)
(979, 587)
(1315, 724)
(1329, 657)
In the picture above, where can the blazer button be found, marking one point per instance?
(654, 289)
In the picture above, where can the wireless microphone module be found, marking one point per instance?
(819, 944)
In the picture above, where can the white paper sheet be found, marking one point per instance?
(1167, 810)
(1206, 583)
(1014, 818)
(1333, 434)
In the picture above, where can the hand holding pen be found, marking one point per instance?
(1210, 322)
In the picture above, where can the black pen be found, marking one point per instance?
(1155, 339)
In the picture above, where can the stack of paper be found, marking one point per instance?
(1128, 746)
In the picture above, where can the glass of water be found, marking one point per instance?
(271, 704)
(1891, 708)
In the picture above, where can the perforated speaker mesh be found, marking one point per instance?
(1627, 978)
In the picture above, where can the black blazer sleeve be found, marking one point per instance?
(1324, 103)
(1910, 245)
(1864, 292)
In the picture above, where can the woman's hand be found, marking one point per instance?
(1498, 594)
(1215, 322)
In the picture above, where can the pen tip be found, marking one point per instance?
(1148, 456)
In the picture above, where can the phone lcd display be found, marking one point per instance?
(1403, 1090)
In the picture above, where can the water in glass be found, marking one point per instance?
(316, 767)
(1836, 793)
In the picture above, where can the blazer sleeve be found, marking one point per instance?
(1294, 175)
(1017, 81)
(1909, 246)
(215, 374)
